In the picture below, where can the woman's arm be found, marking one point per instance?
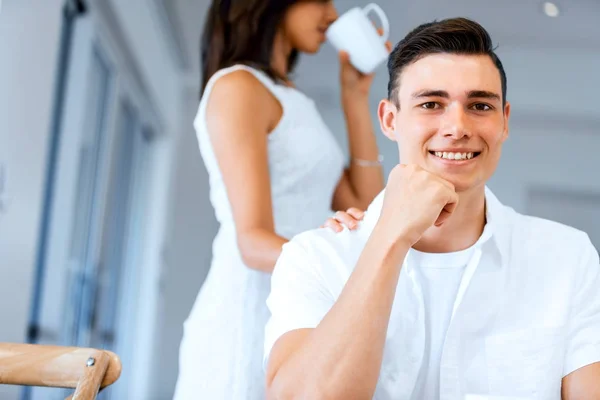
(240, 114)
(361, 182)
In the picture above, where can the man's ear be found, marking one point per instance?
(506, 119)
(387, 118)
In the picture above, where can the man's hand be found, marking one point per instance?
(414, 201)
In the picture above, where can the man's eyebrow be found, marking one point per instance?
(483, 94)
(430, 93)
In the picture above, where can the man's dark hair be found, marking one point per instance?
(454, 36)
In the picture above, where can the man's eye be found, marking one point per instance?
(482, 107)
(431, 105)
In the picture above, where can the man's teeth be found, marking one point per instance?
(454, 156)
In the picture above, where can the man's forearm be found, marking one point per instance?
(341, 358)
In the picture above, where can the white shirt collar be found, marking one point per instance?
(498, 226)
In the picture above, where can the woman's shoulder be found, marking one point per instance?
(233, 74)
(239, 79)
(237, 89)
(241, 73)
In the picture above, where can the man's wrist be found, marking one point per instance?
(393, 241)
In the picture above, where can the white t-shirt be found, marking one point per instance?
(440, 278)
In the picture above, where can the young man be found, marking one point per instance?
(443, 292)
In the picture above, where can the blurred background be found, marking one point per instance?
(105, 224)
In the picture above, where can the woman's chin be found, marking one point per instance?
(310, 48)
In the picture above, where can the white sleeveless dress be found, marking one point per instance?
(222, 347)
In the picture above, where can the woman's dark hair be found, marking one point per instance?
(242, 32)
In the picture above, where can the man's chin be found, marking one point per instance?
(467, 186)
(461, 183)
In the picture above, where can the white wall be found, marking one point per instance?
(547, 155)
(29, 36)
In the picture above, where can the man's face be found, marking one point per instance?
(450, 119)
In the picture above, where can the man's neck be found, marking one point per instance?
(461, 230)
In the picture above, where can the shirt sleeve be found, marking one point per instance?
(583, 335)
(299, 297)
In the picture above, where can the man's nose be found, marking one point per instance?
(455, 123)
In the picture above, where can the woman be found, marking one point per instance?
(275, 170)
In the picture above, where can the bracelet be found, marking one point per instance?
(368, 163)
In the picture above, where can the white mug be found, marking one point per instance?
(355, 34)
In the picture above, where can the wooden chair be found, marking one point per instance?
(85, 370)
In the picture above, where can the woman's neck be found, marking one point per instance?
(280, 55)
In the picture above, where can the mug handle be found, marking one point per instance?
(382, 17)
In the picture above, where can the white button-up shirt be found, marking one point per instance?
(527, 312)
